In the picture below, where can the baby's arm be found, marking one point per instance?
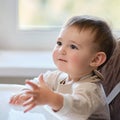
(42, 95)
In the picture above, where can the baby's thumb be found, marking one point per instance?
(41, 80)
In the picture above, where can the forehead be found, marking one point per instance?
(73, 32)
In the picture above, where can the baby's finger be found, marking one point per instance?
(28, 102)
(13, 99)
(33, 85)
(30, 93)
(30, 107)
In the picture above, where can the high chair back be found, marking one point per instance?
(111, 84)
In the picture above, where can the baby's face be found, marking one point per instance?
(74, 51)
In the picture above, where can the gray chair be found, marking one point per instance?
(111, 73)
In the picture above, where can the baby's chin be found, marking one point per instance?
(63, 70)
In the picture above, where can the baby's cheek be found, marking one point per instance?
(78, 62)
(55, 56)
(75, 60)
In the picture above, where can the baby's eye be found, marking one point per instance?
(59, 43)
(73, 47)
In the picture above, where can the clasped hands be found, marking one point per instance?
(39, 94)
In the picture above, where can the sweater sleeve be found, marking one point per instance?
(84, 101)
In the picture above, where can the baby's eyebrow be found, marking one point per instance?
(59, 38)
(72, 41)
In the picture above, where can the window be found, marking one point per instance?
(53, 13)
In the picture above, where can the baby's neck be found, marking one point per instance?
(81, 77)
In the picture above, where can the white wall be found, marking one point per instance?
(11, 38)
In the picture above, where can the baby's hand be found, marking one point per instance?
(40, 94)
(19, 99)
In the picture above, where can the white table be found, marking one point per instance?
(9, 112)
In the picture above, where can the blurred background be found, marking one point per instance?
(32, 24)
(28, 31)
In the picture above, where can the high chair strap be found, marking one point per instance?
(113, 93)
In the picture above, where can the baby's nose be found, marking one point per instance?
(62, 50)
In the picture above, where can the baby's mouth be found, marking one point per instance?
(62, 60)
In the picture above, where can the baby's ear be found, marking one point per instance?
(98, 59)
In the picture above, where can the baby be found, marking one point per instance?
(74, 91)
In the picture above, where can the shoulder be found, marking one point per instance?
(86, 86)
(91, 83)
